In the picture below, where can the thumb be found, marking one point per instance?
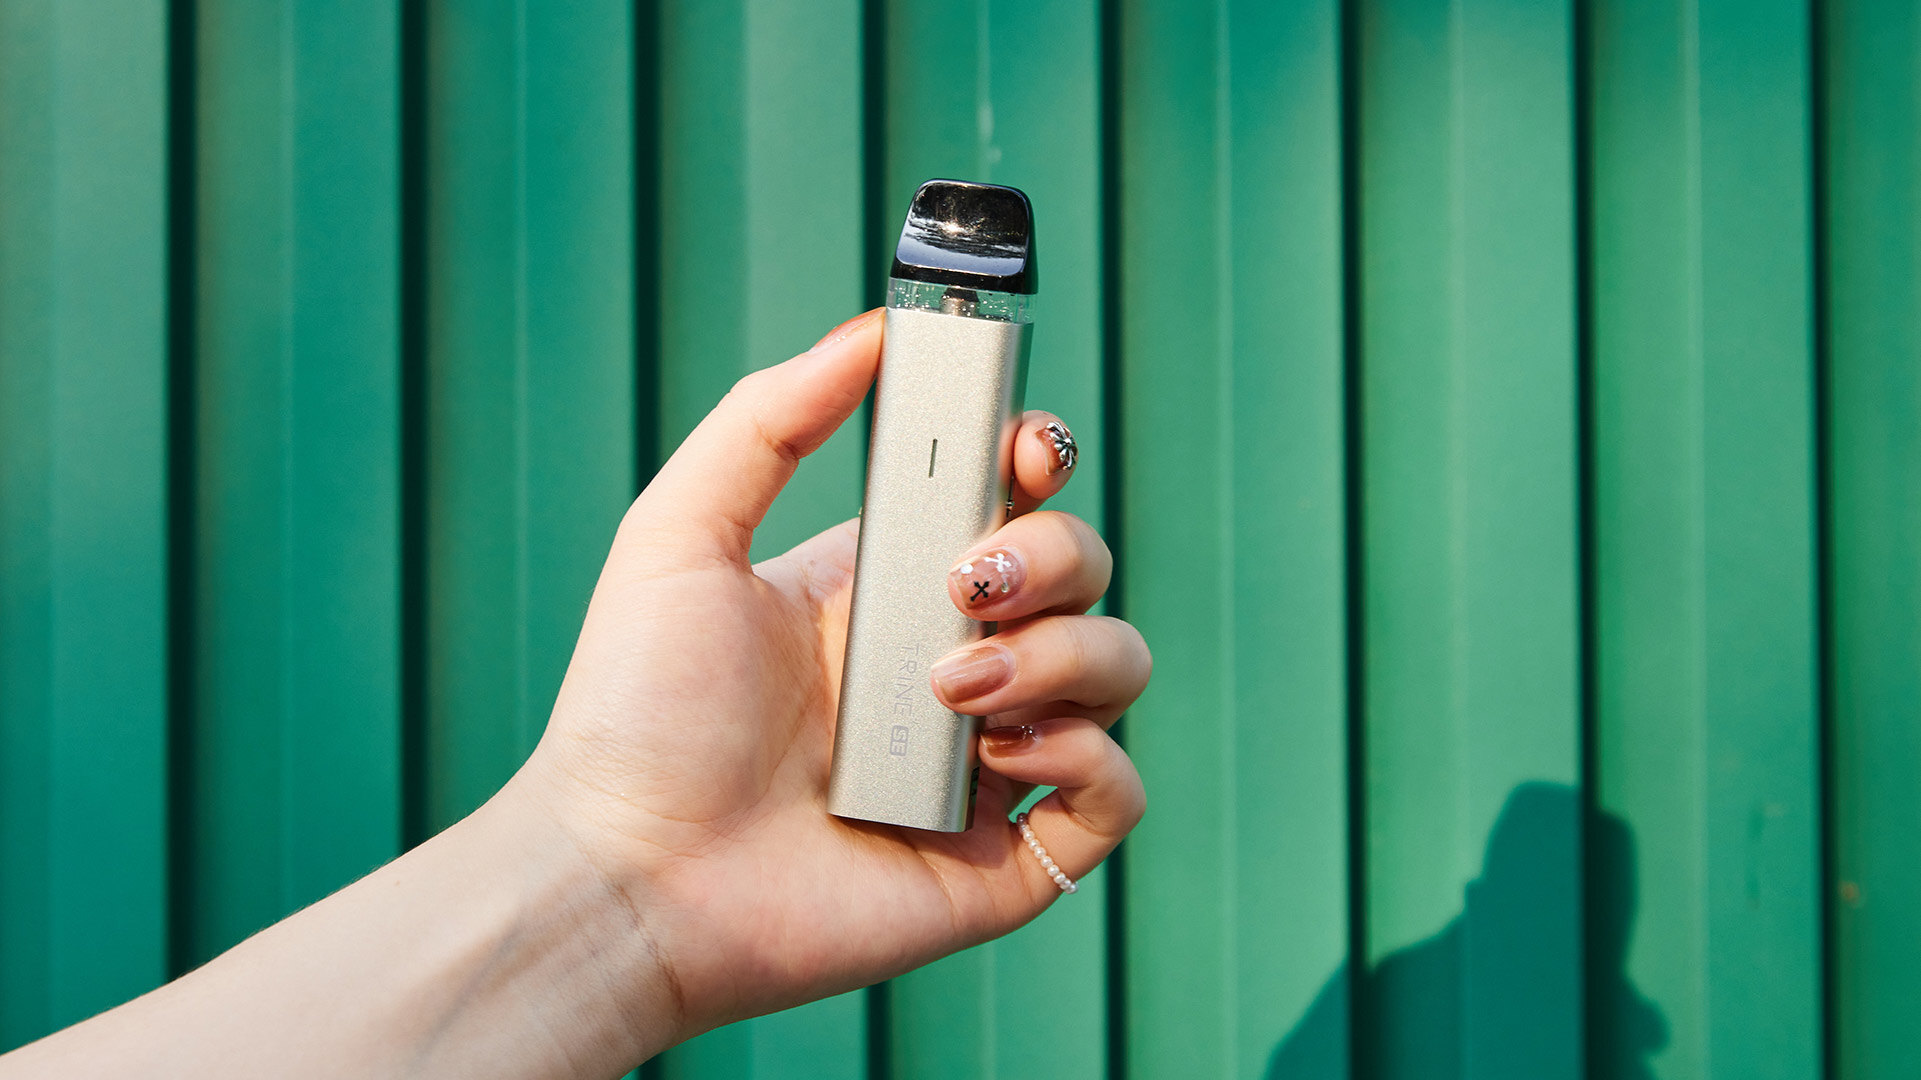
(712, 493)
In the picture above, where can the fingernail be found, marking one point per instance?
(965, 676)
(1062, 451)
(985, 578)
(841, 331)
(1011, 739)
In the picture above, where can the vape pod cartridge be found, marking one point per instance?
(945, 413)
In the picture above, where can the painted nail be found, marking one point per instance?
(985, 578)
(1011, 739)
(1062, 451)
(977, 672)
(841, 331)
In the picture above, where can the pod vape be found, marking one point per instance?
(945, 414)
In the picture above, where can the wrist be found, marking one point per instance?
(573, 929)
(496, 948)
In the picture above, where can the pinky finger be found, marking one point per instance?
(1098, 801)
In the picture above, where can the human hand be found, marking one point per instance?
(688, 752)
(664, 862)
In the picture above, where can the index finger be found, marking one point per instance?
(1044, 458)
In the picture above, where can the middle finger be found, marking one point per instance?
(1093, 665)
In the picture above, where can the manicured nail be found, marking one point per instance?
(1062, 451)
(977, 672)
(842, 330)
(986, 578)
(1011, 739)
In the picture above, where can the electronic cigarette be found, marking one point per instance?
(946, 409)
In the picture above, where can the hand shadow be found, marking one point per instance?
(1528, 996)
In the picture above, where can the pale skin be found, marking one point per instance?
(664, 862)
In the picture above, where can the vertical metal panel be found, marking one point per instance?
(85, 156)
(1471, 552)
(294, 736)
(762, 249)
(1177, 423)
(26, 614)
(1872, 170)
(530, 365)
(341, 802)
(1704, 527)
(107, 520)
(1233, 558)
(1010, 93)
(1287, 460)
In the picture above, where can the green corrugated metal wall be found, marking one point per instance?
(1507, 415)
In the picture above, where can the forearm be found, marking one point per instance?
(495, 949)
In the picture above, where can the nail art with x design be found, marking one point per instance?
(983, 579)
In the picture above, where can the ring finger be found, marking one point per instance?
(1098, 796)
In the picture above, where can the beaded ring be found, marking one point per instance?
(1047, 863)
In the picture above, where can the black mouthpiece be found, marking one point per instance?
(979, 236)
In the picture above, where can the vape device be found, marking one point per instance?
(948, 404)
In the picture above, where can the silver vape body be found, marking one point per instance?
(946, 410)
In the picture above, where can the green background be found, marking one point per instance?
(1506, 414)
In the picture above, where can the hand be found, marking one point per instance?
(689, 750)
(665, 862)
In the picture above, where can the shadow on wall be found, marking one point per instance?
(1517, 917)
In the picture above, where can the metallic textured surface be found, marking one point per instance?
(1503, 414)
(1872, 219)
(1707, 744)
(900, 756)
(296, 667)
(1470, 540)
(1239, 888)
(85, 511)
